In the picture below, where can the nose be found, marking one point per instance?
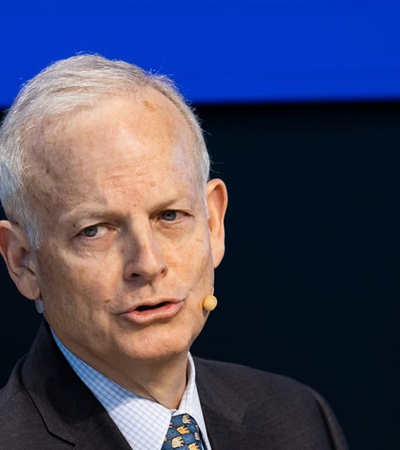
(144, 257)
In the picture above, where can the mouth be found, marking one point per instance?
(146, 313)
(150, 307)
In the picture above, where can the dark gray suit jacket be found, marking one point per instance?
(45, 406)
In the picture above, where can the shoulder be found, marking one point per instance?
(19, 419)
(278, 402)
(244, 378)
(13, 393)
(21, 425)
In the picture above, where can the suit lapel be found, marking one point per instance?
(224, 412)
(74, 415)
(67, 406)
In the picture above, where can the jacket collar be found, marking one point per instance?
(68, 408)
(225, 410)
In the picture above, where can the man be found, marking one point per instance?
(115, 229)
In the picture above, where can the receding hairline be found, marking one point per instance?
(53, 125)
(62, 88)
(50, 130)
(56, 130)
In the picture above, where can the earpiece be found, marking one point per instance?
(39, 306)
(210, 303)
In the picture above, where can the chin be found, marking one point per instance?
(159, 346)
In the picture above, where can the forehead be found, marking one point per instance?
(147, 111)
(121, 142)
(139, 123)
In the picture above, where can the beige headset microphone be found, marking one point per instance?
(210, 303)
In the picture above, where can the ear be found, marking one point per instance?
(19, 258)
(217, 202)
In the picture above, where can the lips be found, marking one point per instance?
(150, 307)
(147, 313)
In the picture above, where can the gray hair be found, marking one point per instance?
(62, 88)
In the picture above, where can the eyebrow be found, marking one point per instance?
(97, 212)
(82, 213)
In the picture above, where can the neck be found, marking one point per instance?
(163, 381)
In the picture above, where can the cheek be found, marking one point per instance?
(69, 280)
(72, 297)
(200, 274)
(189, 257)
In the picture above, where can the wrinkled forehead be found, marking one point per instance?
(61, 145)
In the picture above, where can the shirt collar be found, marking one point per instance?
(142, 421)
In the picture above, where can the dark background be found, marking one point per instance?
(309, 286)
(300, 100)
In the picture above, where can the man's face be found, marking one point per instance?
(126, 256)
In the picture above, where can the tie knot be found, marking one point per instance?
(183, 433)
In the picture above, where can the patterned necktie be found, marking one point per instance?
(183, 433)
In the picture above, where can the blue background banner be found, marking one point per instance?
(218, 51)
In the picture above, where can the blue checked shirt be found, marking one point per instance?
(143, 422)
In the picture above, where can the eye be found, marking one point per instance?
(91, 231)
(169, 215)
